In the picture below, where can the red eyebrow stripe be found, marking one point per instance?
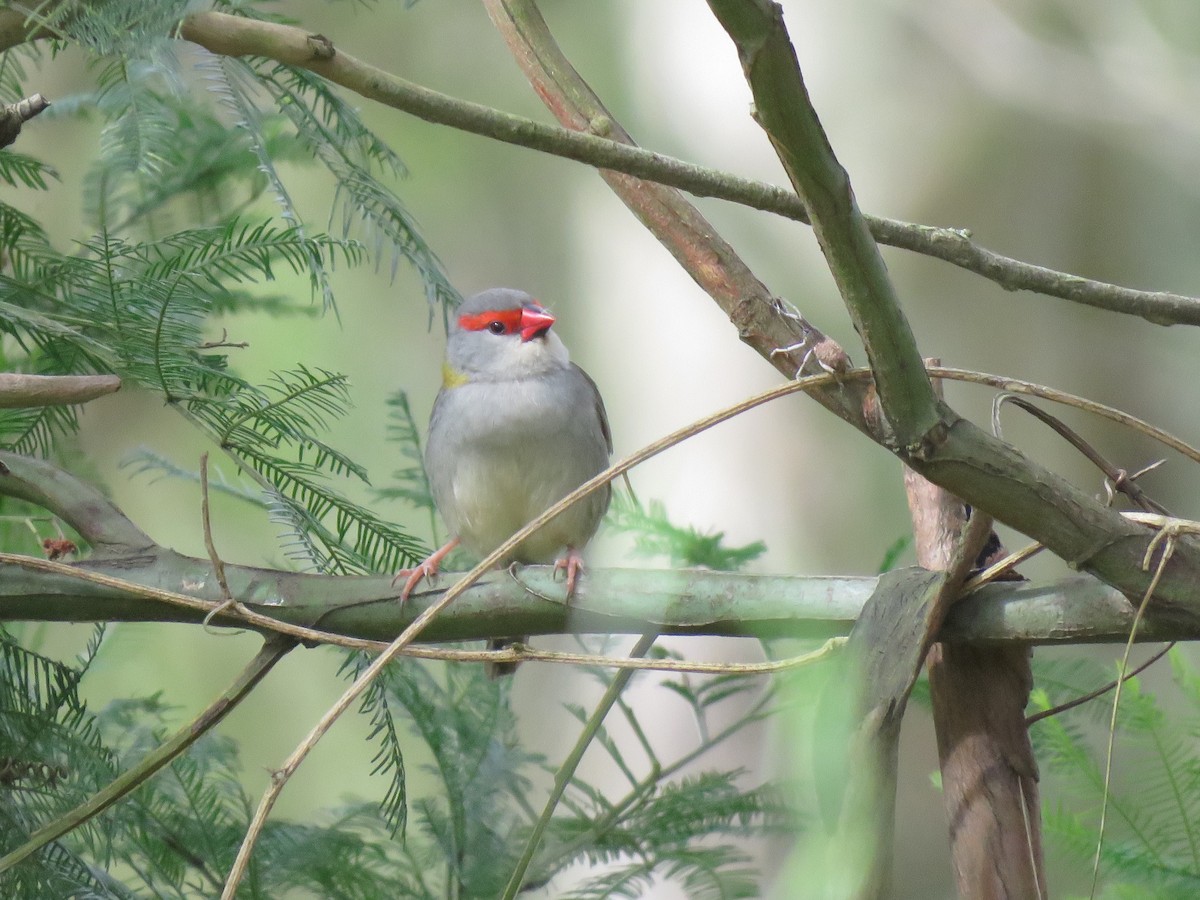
(510, 317)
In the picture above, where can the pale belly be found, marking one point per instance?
(492, 500)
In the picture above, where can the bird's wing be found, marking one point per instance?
(600, 413)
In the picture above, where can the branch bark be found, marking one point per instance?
(783, 109)
(1078, 609)
(989, 771)
(232, 35)
(19, 391)
(15, 115)
(886, 650)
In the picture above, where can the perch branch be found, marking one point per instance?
(362, 608)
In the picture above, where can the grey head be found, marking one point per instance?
(503, 334)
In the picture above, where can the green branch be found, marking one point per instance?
(1074, 610)
(783, 109)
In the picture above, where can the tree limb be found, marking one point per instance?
(20, 391)
(762, 320)
(783, 109)
(1079, 609)
(79, 504)
(14, 115)
(979, 694)
(235, 36)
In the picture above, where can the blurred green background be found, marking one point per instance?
(1060, 133)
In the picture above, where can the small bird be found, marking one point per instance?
(514, 429)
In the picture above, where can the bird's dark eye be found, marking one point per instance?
(496, 327)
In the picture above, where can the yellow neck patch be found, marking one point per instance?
(452, 378)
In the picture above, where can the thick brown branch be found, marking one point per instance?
(19, 391)
(989, 772)
(762, 320)
(14, 115)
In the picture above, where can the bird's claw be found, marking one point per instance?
(427, 569)
(412, 577)
(572, 564)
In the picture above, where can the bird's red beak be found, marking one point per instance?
(535, 322)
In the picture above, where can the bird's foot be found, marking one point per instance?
(427, 569)
(572, 564)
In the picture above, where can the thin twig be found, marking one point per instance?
(227, 598)
(230, 35)
(567, 770)
(1017, 386)
(1167, 551)
(1118, 479)
(213, 556)
(1102, 690)
(521, 653)
(224, 342)
(1000, 567)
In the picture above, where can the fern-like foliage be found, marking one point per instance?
(688, 830)
(655, 535)
(176, 835)
(409, 484)
(1151, 846)
(469, 826)
(51, 754)
(464, 839)
(139, 309)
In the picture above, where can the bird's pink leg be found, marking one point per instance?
(572, 564)
(427, 569)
